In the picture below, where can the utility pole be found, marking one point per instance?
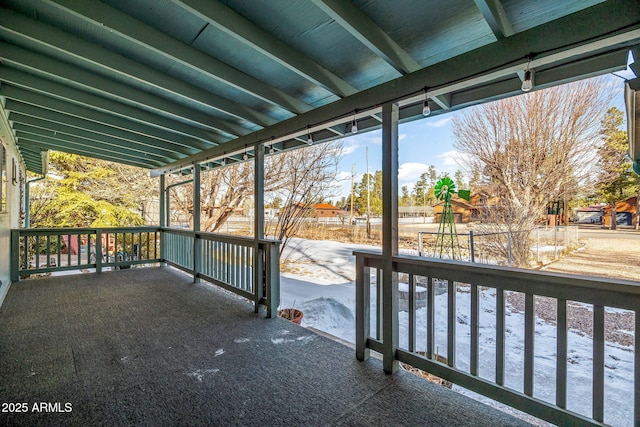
(353, 166)
(368, 197)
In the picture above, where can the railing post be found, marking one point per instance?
(471, 246)
(363, 317)
(273, 279)
(15, 255)
(98, 250)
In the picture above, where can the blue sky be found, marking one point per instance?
(423, 142)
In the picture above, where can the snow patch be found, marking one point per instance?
(199, 374)
(219, 352)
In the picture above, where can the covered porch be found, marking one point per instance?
(150, 347)
(179, 87)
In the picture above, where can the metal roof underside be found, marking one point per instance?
(163, 84)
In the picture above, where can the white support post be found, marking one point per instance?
(258, 227)
(197, 249)
(390, 114)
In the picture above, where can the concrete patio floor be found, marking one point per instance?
(148, 347)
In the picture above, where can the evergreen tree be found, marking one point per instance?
(616, 180)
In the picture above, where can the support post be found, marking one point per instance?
(197, 248)
(27, 205)
(260, 281)
(161, 219)
(390, 114)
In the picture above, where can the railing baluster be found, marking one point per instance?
(431, 296)
(561, 358)
(451, 323)
(475, 330)
(59, 248)
(37, 254)
(48, 262)
(636, 371)
(529, 335)
(379, 302)
(500, 347)
(412, 312)
(598, 363)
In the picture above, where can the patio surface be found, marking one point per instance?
(148, 347)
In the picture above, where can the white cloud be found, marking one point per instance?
(439, 123)
(402, 137)
(411, 171)
(349, 148)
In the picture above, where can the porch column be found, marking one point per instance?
(161, 219)
(258, 224)
(389, 235)
(197, 248)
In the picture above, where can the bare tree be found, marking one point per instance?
(534, 148)
(292, 175)
(308, 176)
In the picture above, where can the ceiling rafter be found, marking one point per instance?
(226, 19)
(34, 143)
(103, 16)
(597, 28)
(356, 22)
(171, 150)
(33, 98)
(66, 143)
(496, 17)
(25, 80)
(88, 135)
(50, 68)
(59, 42)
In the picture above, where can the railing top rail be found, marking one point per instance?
(83, 230)
(221, 237)
(610, 292)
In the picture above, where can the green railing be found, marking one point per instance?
(241, 265)
(470, 336)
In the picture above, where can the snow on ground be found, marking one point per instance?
(319, 279)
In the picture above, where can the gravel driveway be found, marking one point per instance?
(604, 257)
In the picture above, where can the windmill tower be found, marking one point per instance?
(447, 245)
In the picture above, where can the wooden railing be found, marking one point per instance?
(489, 368)
(242, 265)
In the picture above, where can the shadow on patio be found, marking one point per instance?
(148, 347)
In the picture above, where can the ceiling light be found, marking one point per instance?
(354, 126)
(245, 156)
(426, 110)
(309, 137)
(527, 82)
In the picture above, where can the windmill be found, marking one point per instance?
(447, 237)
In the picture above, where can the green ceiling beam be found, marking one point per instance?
(88, 144)
(59, 43)
(53, 69)
(496, 17)
(102, 16)
(607, 26)
(132, 138)
(359, 25)
(39, 100)
(90, 136)
(226, 19)
(88, 153)
(25, 80)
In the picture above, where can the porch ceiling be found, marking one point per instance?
(163, 83)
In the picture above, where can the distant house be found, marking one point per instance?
(325, 210)
(625, 212)
(463, 211)
(588, 215)
(320, 210)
